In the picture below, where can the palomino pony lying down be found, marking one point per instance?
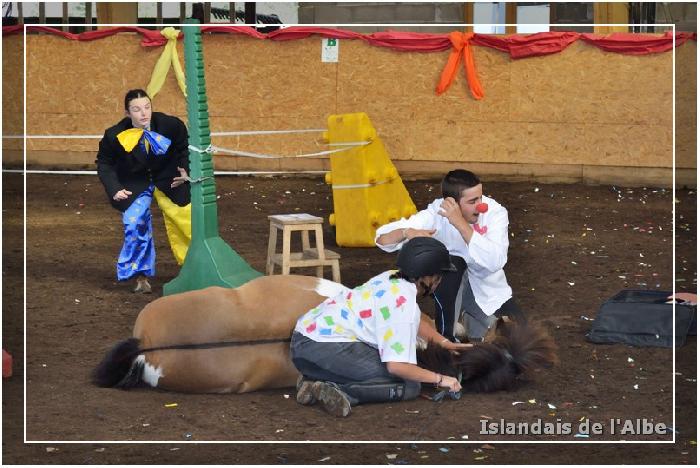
(219, 340)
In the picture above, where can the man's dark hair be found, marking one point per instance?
(134, 94)
(455, 182)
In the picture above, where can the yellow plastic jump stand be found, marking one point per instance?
(367, 189)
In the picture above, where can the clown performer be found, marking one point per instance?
(146, 154)
(474, 228)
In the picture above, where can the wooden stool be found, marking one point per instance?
(309, 257)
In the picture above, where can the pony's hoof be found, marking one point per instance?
(142, 286)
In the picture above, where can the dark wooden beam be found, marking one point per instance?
(88, 16)
(469, 15)
(250, 13)
(207, 12)
(511, 17)
(64, 16)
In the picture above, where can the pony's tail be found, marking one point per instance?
(120, 368)
(518, 350)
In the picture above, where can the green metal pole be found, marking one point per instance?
(209, 261)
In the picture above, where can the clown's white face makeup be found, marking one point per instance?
(140, 112)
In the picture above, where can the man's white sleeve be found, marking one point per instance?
(421, 220)
(491, 250)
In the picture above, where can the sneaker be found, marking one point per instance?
(305, 395)
(142, 285)
(334, 401)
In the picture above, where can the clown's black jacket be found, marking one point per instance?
(134, 171)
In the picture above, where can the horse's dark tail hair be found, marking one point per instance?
(519, 349)
(120, 368)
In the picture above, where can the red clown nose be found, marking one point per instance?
(482, 208)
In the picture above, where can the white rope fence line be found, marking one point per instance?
(216, 173)
(201, 179)
(356, 186)
(236, 133)
(217, 149)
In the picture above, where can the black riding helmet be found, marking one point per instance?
(424, 256)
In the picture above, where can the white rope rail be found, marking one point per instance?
(356, 186)
(267, 132)
(217, 149)
(48, 137)
(234, 133)
(216, 173)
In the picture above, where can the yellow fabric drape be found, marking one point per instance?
(178, 225)
(169, 56)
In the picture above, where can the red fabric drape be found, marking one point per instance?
(530, 45)
(151, 38)
(637, 44)
(517, 46)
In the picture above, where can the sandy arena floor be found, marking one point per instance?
(572, 247)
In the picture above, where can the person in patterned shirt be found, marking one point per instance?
(360, 345)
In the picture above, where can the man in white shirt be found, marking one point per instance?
(474, 228)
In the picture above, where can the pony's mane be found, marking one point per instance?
(517, 350)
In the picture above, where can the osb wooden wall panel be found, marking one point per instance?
(12, 90)
(78, 87)
(565, 108)
(259, 85)
(580, 107)
(686, 105)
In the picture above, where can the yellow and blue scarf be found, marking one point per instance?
(150, 141)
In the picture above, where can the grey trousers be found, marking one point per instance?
(354, 366)
(474, 319)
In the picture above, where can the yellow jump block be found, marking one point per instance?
(367, 189)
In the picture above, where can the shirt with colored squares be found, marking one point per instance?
(382, 313)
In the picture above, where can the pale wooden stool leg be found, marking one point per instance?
(286, 248)
(271, 249)
(320, 249)
(305, 240)
(336, 270)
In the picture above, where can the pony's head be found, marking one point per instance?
(517, 350)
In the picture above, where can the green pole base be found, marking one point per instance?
(211, 263)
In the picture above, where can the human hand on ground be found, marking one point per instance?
(449, 383)
(685, 297)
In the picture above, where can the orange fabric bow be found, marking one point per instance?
(460, 44)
